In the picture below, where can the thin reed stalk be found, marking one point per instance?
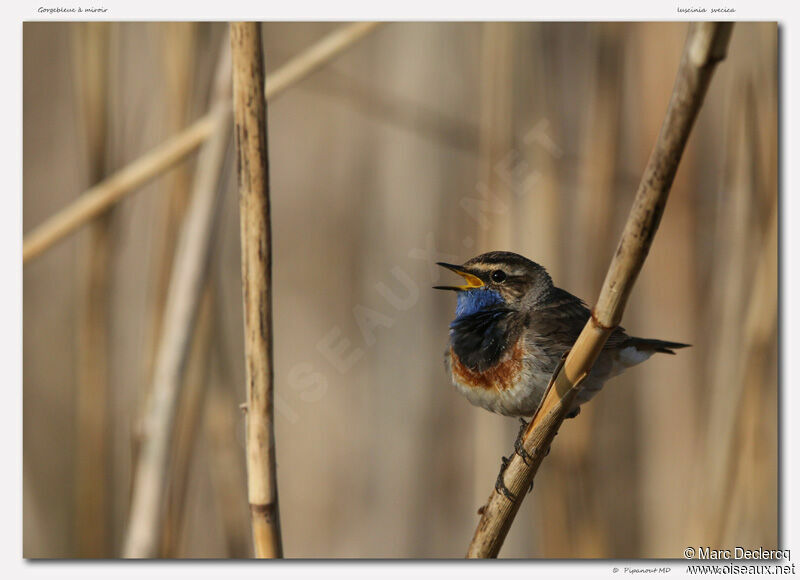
(760, 325)
(226, 464)
(597, 178)
(250, 116)
(111, 190)
(706, 45)
(746, 388)
(95, 200)
(666, 301)
(536, 228)
(187, 425)
(187, 283)
(178, 52)
(195, 381)
(733, 263)
(584, 513)
(496, 140)
(90, 47)
(178, 66)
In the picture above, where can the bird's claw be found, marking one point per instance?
(519, 449)
(574, 413)
(500, 485)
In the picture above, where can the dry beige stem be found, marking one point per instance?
(228, 479)
(760, 324)
(90, 47)
(706, 45)
(250, 116)
(188, 280)
(96, 199)
(195, 379)
(144, 535)
(191, 404)
(178, 61)
(496, 139)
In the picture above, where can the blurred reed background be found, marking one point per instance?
(382, 163)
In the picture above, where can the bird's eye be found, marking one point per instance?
(498, 276)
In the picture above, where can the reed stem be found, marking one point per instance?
(250, 116)
(706, 45)
(111, 190)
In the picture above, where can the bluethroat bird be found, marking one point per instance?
(512, 327)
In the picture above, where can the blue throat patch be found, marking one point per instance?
(471, 301)
(479, 333)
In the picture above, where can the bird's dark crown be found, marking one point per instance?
(507, 259)
(517, 281)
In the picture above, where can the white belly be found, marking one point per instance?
(519, 397)
(521, 400)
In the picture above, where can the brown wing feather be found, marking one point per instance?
(558, 323)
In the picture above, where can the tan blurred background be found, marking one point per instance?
(377, 161)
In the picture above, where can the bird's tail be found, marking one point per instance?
(655, 345)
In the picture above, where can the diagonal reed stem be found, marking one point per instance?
(98, 198)
(706, 45)
(186, 286)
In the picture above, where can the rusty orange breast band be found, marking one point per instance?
(501, 376)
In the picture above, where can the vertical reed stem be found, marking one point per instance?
(250, 113)
(90, 54)
(496, 139)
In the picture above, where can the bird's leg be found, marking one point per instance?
(520, 450)
(518, 447)
(500, 485)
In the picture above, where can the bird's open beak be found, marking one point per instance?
(472, 280)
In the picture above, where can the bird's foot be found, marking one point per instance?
(518, 447)
(500, 485)
(574, 413)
